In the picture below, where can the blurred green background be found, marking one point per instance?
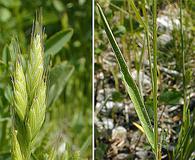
(68, 119)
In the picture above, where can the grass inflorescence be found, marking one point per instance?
(29, 96)
(67, 63)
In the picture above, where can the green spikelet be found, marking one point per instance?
(16, 152)
(20, 94)
(29, 96)
(37, 110)
(36, 87)
(35, 64)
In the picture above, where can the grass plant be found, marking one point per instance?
(185, 145)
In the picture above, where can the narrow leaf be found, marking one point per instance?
(130, 84)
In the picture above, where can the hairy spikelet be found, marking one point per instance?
(29, 97)
(36, 86)
(35, 66)
(16, 152)
(20, 94)
(37, 111)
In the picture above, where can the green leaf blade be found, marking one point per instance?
(56, 42)
(131, 86)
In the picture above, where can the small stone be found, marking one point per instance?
(119, 132)
(110, 105)
(108, 123)
(164, 39)
(122, 156)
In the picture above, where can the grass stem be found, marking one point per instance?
(183, 62)
(184, 126)
(155, 88)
